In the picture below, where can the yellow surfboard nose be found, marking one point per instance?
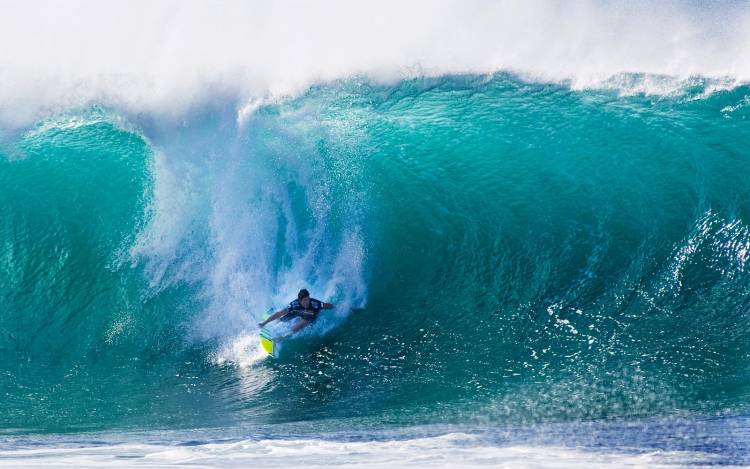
(267, 344)
(266, 339)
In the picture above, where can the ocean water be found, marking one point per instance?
(536, 260)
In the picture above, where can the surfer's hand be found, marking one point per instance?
(261, 324)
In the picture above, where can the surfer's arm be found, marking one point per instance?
(274, 317)
(328, 305)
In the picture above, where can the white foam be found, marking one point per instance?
(450, 450)
(244, 350)
(167, 56)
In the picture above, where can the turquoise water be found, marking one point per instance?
(523, 254)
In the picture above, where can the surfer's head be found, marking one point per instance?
(304, 297)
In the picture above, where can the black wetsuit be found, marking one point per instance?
(295, 310)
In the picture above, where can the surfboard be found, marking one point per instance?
(268, 344)
(271, 347)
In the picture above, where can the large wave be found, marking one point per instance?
(525, 251)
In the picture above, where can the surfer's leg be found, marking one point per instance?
(301, 324)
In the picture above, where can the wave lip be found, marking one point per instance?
(84, 52)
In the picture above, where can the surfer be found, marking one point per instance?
(304, 307)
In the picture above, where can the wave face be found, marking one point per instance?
(522, 253)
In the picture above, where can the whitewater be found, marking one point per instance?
(533, 218)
